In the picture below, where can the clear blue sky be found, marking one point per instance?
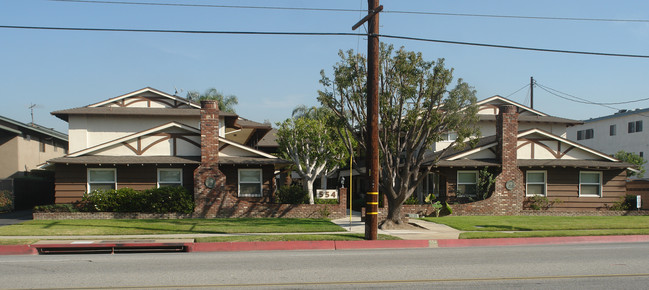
(271, 75)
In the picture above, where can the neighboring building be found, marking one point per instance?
(148, 138)
(528, 153)
(23, 147)
(623, 130)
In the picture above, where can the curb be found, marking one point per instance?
(351, 245)
(541, 241)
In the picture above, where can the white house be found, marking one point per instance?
(610, 134)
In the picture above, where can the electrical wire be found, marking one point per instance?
(354, 10)
(319, 34)
(525, 86)
(585, 101)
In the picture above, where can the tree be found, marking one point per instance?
(415, 108)
(226, 103)
(312, 145)
(634, 159)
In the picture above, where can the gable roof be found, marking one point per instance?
(20, 127)
(104, 145)
(496, 100)
(461, 157)
(144, 90)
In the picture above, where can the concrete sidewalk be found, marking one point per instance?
(422, 230)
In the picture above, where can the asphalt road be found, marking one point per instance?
(592, 266)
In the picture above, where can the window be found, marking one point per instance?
(612, 130)
(590, 183)
(635, 126)
(535, 183)
(585, 134)
(467, 183)
(170, 177)
(41, 145)
(641, 154)
(101, 179)
(250, 182)
(449, 137)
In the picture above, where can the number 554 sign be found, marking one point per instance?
(327, 193)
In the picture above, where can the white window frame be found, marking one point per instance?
(261, 182)
(600, 184)
(88, 181)
(545, 182)
(166, 182)
(457, 185)
(449, 137)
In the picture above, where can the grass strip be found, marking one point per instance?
(542, 223)
(566, 233)
(170, 226)
(269, 238)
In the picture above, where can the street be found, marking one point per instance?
(599, 266)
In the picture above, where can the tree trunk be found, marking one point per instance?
(394, 214)
(309, 189)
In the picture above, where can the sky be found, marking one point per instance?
(271, 75)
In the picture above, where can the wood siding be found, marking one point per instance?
(562, 184)
(71, 180)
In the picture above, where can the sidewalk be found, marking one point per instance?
(426, 231)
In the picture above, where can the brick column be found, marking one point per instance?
(508, 200)
(209, 181)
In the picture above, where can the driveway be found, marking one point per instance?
(15, 217)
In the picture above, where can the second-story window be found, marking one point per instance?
(585, 134)
(635, 126)
(612, 130)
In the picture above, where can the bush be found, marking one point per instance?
(627, 202)
(293, 194)
(539, 202)
(156, 200)
(6, 201)
(57, 208)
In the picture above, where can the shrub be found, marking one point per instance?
(411, 200)
(293, 194)
(626, 202)
(66, 207)
(539, 202)
(6, 201)
(156, 200)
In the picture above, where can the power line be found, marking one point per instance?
(514, 47)
(525, 86)
(585, 101)
(354, 10)
(318, 34)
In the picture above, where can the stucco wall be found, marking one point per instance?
(604, 142)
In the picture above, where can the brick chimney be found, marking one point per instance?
(209, 133)
(506, 135)
(509, 189)
(209, 181)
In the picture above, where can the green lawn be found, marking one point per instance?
(305, 237)
(544, 226)
(173, 226)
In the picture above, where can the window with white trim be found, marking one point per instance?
(535, 183)
(449, 137)
(467, 183)
(102, 179)
(250, 182)
(170, 177)
(590, 183)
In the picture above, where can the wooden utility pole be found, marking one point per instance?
(372, 159)
(532, 92)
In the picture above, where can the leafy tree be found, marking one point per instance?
(226, 103)
(634, 159)
(312, 145)
(416, 106)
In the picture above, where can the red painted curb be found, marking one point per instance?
(540, 241)
(381, 244)
(17, 250)
(261, 246)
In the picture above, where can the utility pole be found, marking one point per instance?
(532, 92)
(372, 159)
